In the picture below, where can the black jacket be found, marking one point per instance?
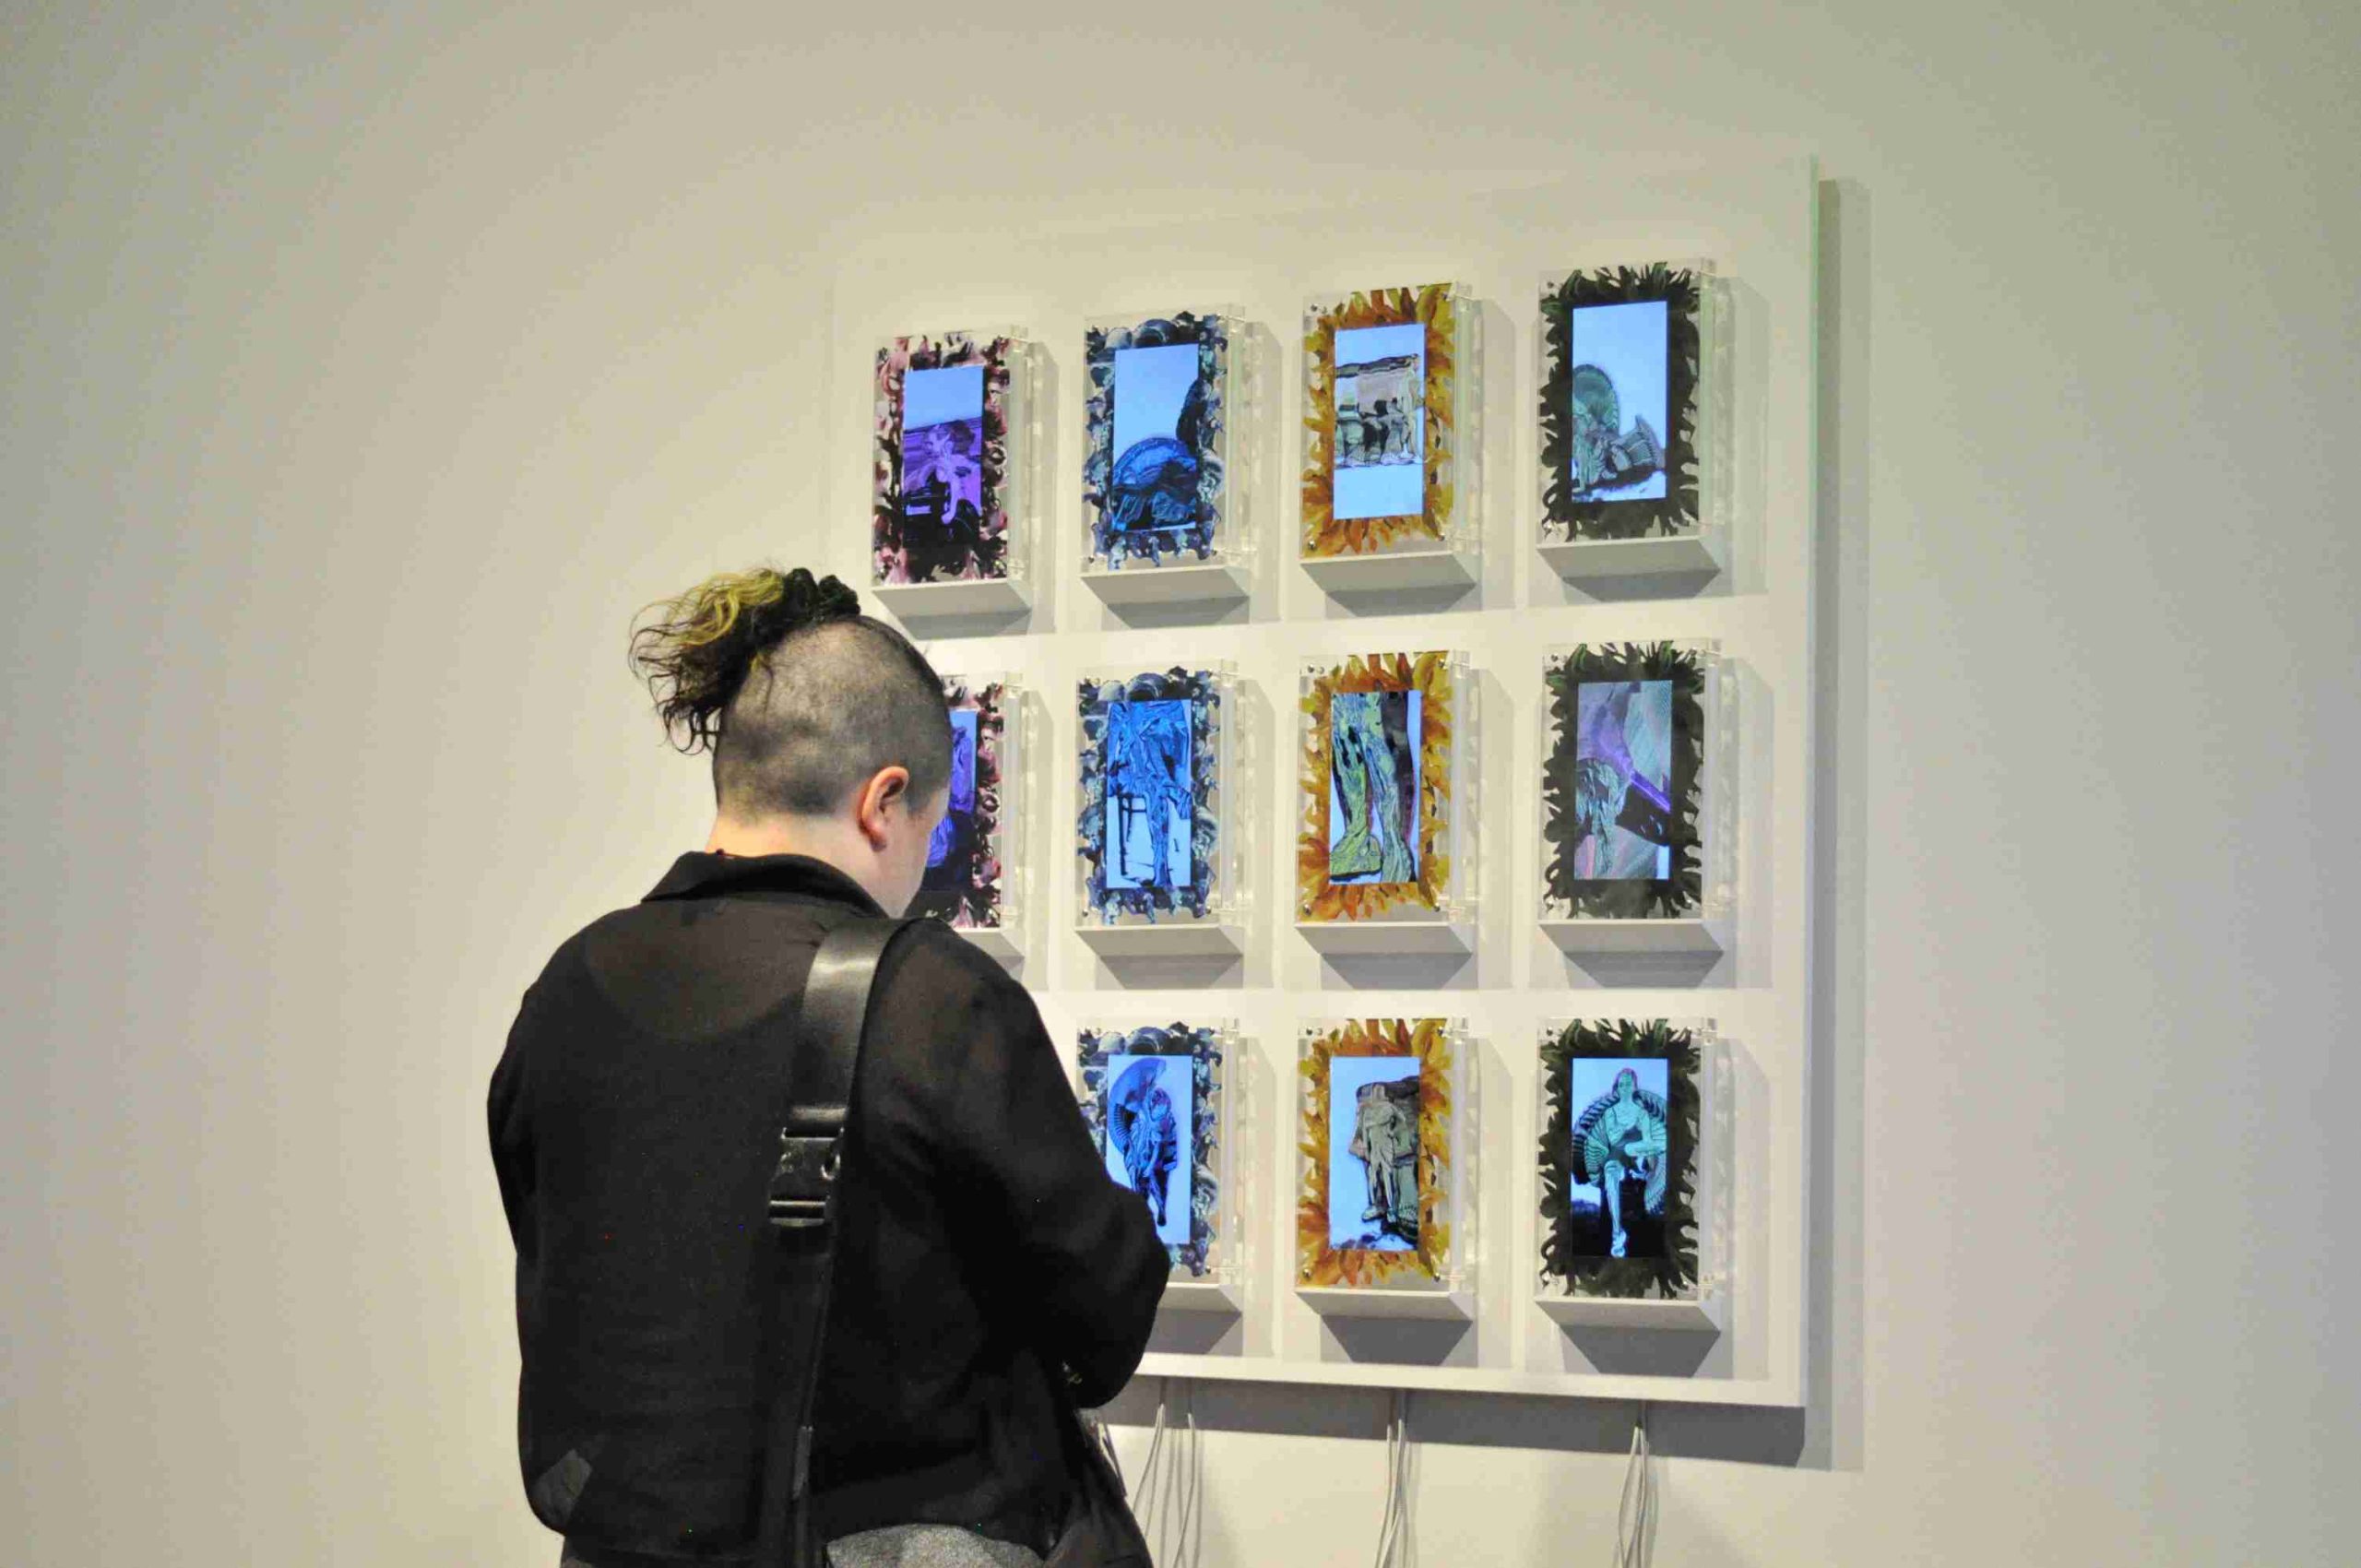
(634, 1119)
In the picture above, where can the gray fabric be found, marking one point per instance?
(911, 1546)
(926, 1546)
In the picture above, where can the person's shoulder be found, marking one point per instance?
(932, 956)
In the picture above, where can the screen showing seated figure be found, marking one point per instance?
(1622, 781)
(1618, 1164)
(1158, 438)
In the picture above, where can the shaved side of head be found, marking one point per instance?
(822, 712)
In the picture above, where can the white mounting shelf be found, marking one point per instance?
(1392, 570)
(1203, 1296)
(1351, 939)
(1432, 1306)
(1211, 580)
(1704, 1315)
(1688, 554)
(1165, 939)
(916, 603)
(1582, 936)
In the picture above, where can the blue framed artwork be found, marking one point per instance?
(1153, 1100)
(1149, 826)
(965, 884)
(1153, 478)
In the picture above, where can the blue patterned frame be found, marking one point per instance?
(1201, 690)
(1202, 1046)
(1211, 334)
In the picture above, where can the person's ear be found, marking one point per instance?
(886, 788)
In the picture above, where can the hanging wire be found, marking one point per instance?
(1635, 1517)
(1192, 1495)
(1143, 1493)
(1393, 1533)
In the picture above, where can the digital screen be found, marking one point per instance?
(958, 825)
(1618, 1174)
(1151, 1111)
(1374, 758)
(1381, 421)
(1621, 356)
(1158, 442)
(1150, 808)
(943, 443)
(1622, 781)
(1373, 1153)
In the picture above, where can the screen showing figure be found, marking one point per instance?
(1381, 421)
(1373, 1153)
(952, 848)
(1150, 1116)
(1158, 438)
(943, 447)
(1622, 781)
(1621, 356)
(1373, 740)
(1150, 813)
(1618, 1162)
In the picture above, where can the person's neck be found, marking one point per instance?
(825, 839)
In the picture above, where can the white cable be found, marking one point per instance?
(1192, 1495)
(1636, 1516)
(1144, 1493)
(1392, 1531)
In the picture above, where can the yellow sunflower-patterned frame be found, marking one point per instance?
(1429, 674)
(1317, 1263)
(1435, 306)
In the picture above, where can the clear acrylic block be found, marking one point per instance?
(957, 460)
(1157, 829)
(976, 875)
(1133, 1076)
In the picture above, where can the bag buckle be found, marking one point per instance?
(802, 1194)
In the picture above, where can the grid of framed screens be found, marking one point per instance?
(947, 493)
(1383, 1158)
(1621, 1155)
(1151, 833)
(1383, 446)
(1155, 442)
(1622, 356)
(1622, 768)
(972, 861)
(1155, 1099)
(1382, 830)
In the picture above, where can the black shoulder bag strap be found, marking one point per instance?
(820, 1074)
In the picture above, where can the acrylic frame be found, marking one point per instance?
(1680, 895)
(1205, 1047)
(1208, 892)
(991, 557)
(1204, 540)
(982, 899)
(1435, 677)
(1683, 291)
(1676, 1275)
(1319, 1264)
(1439, 308)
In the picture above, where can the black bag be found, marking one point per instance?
(1100, 1531)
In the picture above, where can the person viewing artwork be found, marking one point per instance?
(988, 1272)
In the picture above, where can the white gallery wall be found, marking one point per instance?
(364, 373)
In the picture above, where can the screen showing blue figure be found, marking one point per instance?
(1150, 811)
(942, 443)
(1373, 743)
(1150, 1120)
(1158, 438)
(1381, 421)
(957, 828)
(1622, 781)
(1374, 1152)
(1620, 355)
(1618, 1161)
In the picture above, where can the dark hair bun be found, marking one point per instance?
(696, 650)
